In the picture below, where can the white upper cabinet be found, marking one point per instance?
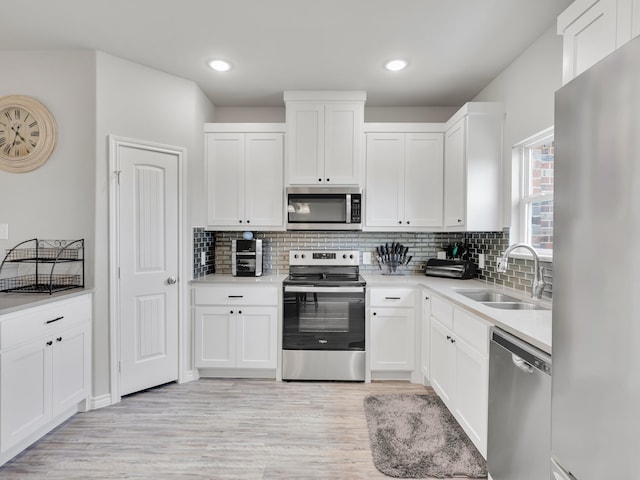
(472, 168)
(592, 29)
(244, 176)
(404, 181)
(324, 137)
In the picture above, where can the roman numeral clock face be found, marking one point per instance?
(27, 134)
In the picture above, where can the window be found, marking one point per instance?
(533, 199)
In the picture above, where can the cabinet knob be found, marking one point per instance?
(49, 343)
(328, 179)
(231, 312)
(399, 222)
(248, 221)
(320, 180)
(239, 312)
(59, 339)
(426, 298)
(459, 220)
(239, 221)
(374, 313)
(408, 222)
(449, 337)
(453, 340)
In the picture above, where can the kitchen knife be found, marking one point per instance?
(380, 262)
(408, 260)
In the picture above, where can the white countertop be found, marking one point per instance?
(532, 326)
(275, 279)
(13, 302)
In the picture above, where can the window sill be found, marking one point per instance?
(527, 256)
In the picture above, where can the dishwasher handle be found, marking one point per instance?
(521, 364)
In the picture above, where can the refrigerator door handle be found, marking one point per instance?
(521, 364)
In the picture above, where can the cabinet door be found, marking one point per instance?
(588, 37)
(264, 164)
(471, 402)
(454, 174)
(305, 143)
(423, 180)
(343, 137)
(392, 339)
(215, 336)
(71, 368)
(25, 391)
(384, 179)
(256, 337)
(225, 179)
(425, 340)
(442, 362)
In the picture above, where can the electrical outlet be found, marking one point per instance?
(481, 260)
(203, 258)
(366, 258)
(442, 255)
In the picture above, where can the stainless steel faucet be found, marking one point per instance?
(538, 283)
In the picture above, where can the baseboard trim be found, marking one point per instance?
(94, 403)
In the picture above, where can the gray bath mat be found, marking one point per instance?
(415, 436)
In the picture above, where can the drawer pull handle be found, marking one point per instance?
(49, 343)
(236, 296)
(54, 320)
(392, 298)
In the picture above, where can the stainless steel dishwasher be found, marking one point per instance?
(519, 430)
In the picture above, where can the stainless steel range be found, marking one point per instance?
(323, 333)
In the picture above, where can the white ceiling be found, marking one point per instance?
(455, 47)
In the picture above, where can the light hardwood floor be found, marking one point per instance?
(215, 429)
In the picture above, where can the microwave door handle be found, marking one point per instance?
(348, 208)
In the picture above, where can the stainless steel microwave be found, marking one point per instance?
(324, 208)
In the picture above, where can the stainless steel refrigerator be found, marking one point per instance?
(595, 426)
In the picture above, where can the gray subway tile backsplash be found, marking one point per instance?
(423, 246)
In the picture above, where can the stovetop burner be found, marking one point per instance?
(329, 268)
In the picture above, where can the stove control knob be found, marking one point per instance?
(351, 256)
(295, 255)
(344, 255)
(303, 255)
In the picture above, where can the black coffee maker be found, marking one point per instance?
(246, 258)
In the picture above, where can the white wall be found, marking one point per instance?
(55, 200)
(137, 102)
(527, 87)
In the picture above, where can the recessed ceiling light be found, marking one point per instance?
(220, 65)
(396, 65)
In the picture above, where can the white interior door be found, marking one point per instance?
(148, 247)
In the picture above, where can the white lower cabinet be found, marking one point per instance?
(425, 331)
(45, 370)
(393, 329)
(236, 328)
(460, 366)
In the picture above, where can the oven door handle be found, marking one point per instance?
(314, 289)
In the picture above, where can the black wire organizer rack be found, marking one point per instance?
(43, 266)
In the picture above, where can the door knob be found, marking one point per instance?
(171, 280)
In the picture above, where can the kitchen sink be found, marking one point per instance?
(494, 299)
(487, 296)
(515, 305)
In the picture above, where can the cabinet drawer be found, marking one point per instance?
(231, 295)
(472, 330)
(44, 320)
(442, 311)
(393, 297)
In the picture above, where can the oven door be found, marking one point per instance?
(323, 318)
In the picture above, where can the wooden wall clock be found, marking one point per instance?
(27, 133)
